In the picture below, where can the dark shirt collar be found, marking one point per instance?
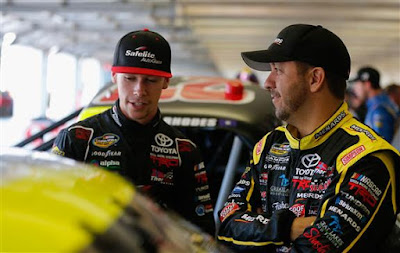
(123, 121)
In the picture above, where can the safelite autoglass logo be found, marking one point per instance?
(147, 56)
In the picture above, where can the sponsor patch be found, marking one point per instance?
(237, 190)
(285, 181)
(259, 147)
(362, 130)
(330, 125)
(263, 179)
(163, 141)
(105, 140)
(279, 149)
(57, 151)
(200, 210)
(298, 210)
(185, 146)
(82, 134)
(352, 154)
(105, 154)
(279, 191)
(280, 205)
(110, 164)
(329, 234)
(163, 178)
(162, 161)
(310, 160)
(228, 210)
(340, 213)
(313, 235)
(201, 177)
(301, 183)
(365, 188)
(199, 166)
(259, 218)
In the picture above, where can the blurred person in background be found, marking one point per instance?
(382, 114)
(393, 91)
(132, 139)
(324, 181)
(246, 75)
(356, 106)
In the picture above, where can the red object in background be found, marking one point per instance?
(6, 104)
(38, 125)
(234, 90)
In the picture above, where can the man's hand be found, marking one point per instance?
(299, 224)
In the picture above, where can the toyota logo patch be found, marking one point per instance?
(310, 160)
(163, 141)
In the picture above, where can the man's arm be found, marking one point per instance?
(73, 142)
(357, 213)
(194, 201)
(299, 224)
(246, 229)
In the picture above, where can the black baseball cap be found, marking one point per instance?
(143, 52)
(365, 74)
(311, 44)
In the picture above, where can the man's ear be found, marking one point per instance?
(317, 76)
(166, 83)
(114, 77)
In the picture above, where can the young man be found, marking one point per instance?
(382, 113)
(324, 182)
(132, 139)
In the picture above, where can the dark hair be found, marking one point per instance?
(392, 88)
(336, 84)
(375, 85)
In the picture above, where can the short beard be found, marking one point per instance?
(293, 102)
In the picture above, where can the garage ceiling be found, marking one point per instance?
(206, 36)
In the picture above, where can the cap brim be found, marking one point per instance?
(260, 60)
(135, 70)
(355, 79)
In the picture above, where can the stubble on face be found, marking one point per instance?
(293, 99)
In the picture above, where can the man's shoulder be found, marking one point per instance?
(172, 131)
(369, 142)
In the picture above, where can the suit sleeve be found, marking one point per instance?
(244, 227)
(73, 142)
(359, 213)
(193, 199)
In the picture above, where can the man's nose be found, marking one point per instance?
(269, 83)
(139, 89)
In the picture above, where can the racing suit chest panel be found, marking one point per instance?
(135, 153)
(298, 179)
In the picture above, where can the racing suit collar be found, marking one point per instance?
(123, 121)
(323, 132)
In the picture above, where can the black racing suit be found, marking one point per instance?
(156, 157)
(343, 173)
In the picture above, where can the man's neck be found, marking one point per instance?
(372, 93)
(307, 120)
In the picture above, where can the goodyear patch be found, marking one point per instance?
(105, 140)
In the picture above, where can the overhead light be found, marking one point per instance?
(9, 38)
(54, 50)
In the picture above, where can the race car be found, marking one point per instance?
(55, 204)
